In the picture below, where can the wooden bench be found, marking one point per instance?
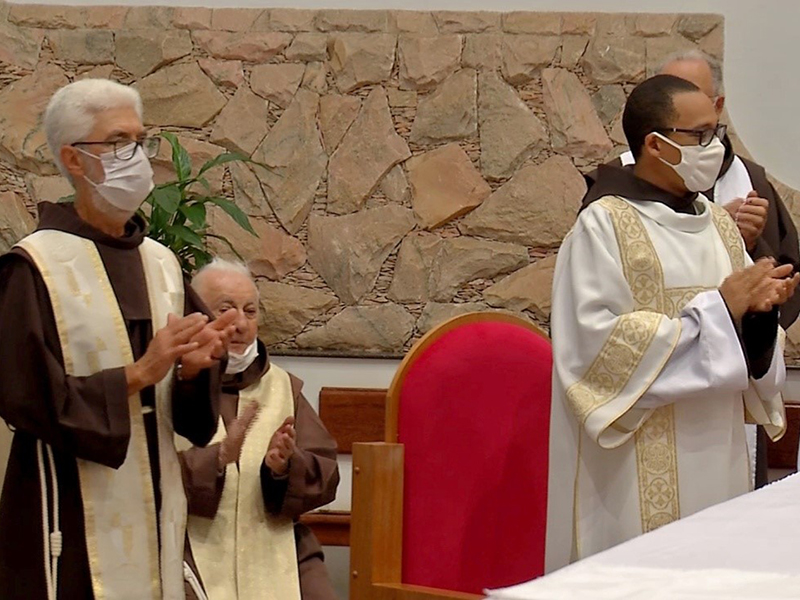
(350, 415)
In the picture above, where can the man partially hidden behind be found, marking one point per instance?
(272, 461)
(665, 337)
(92, 315)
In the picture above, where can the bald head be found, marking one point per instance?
(701, 70)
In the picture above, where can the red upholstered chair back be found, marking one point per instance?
(471, 405)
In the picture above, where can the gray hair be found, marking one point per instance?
(696, 54)
(224, 266)
(71, 112)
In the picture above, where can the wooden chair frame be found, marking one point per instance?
(376, 549)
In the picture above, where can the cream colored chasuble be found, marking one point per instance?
(650, 385)
(244, 553)
(119, 505)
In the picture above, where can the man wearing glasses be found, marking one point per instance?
(105, 355)
(664, 334)
(743, 189)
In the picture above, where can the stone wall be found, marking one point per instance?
(421, 164)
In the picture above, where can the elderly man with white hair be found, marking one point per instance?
(272, 461)
(105, 354)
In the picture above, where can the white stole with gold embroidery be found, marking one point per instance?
(244, 553)
(119, 506)
(619, 468)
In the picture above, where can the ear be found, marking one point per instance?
(719, 105)
(652, 145)
(71, 160)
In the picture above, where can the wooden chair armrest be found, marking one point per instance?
(399, 591)
(376, 533)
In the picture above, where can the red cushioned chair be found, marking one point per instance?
(455, 500)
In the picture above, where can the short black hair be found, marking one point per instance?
(650, 108)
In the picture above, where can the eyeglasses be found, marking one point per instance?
(704, 136)
(126, 149)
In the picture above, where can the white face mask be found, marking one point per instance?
(127, 182)
(239, 362)
(699, 166)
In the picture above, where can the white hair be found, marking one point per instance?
(71, 113)
(224, 266)
(695, 54)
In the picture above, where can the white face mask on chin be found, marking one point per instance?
(700, 165)
(127, 182)
(238, 363)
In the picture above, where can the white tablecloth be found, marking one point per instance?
(746, 548)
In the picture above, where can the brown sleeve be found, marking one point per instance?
(313, 471)
(195, 403)
(202, 480)
(779, 239)
(84, 416)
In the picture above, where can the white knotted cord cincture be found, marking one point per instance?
(53, 542)
(194, 583)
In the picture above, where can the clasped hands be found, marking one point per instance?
(193, 340)
(759, 287)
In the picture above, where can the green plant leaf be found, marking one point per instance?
(181, 160)
(158, 221)
(204, 182)
(186, 235)
(168, 198)
(235, 213)
(221, 160)
(66, 199)
(196, 213)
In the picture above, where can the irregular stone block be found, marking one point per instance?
(537, 207)
(524, 56)
(359, 59)
(529, 288)
(295, 161)
(510, 132)
(287, 309)
(370, 148)
(445, 185)
(140, 52)
(382, 328)
(15, 220)
(450, 113)
(277, 83)
(180, 96)
(255, 47)
(336, 115)
(426, 61)
(242, 124)
(348, 251)
(575, 128)
(22, 139)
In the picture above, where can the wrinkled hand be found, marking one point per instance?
(173, 341)
(230, 450)
(282, 447)
(750, 215)
(212, 343)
